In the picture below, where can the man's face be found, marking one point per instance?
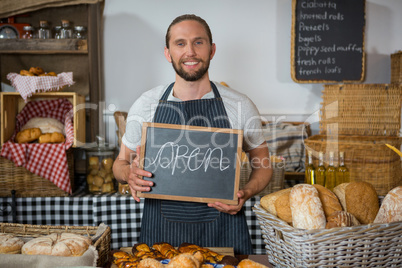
(189, 50)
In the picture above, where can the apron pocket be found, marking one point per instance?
(188, 212)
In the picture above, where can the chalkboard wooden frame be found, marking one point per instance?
(344, 77)
(199, 194)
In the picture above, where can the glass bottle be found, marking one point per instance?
(66, 32)
(28, 32)
(343, 174)
(310, 170)
(43, 31)
(320, 172)
(80, 32)
(330, 174)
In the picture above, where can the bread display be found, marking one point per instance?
(9, 244)
(391, 207)
(57, 244)
(28, 135)
(36, 71)
(329, 200)
(54, 137)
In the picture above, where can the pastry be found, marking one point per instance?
(28, 135)
(26, 73)
(9, 244)
(57, 244)
(185, 260)
(36, 70)
(247, 263)
(307, 211)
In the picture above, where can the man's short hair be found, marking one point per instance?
(188, 17)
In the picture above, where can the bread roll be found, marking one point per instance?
(391, 207)
(341, 219)
(46, 125)
(307, 211)
(28, 135)
(247, 263)
(282, 207)
(268, 201)
(64, 244)
(55, 137)
(9, 244)
(330, 203)
(36, 70)
(339, 191)
(362, 201)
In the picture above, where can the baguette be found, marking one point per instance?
(307, 211)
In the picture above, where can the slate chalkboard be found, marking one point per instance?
(328, 41)
(190, 163)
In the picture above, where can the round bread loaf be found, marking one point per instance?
(307, 211)
(282, 207)
(64, 244)
(268, 201)
(362, 201)
(9, 244)
(341, 219)
(45, 124)
(391, 207)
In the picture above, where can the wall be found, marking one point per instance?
(253, 50)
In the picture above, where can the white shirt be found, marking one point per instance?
(242, 113)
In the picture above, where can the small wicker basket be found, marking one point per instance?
(396, 67)
(371, 245)
(102, 244)
(28, 184)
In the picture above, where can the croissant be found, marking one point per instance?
(166, 249)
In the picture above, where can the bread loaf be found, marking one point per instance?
(64, 244)
(282, 207)
(341, 219)
(46, 125)
(9, 244)
(307, 211)
(28, 135)
(330, 202)
(339, 191)
(268, 201)
(55, 137)
(391, 207)
(362, 201)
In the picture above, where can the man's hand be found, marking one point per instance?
(230, 209)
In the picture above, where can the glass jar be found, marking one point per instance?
(100, 178)
(66, 32)
(56, 32)
(44, 30)
(28, 32)
(124, 189)
(80, 32)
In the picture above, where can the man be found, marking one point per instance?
(193, 99)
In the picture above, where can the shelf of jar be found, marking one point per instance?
(44, 46)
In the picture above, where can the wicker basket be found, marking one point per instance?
(278, 175)
(396, 67)
(102, 244)
(361, 109)
(28, 184)
(366, 157)
(372, 245)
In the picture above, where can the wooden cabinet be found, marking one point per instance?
(80, 56)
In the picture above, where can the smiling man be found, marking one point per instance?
(193, 100)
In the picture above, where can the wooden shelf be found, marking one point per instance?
(44, 46)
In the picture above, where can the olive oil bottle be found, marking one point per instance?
(330, 174)
(320, 172)
(310, 170)
(343, 174)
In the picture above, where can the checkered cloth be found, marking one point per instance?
(46, 160)
(120, 212)
(28, 85)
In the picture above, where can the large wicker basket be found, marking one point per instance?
(102, 244)
(396, 67)
(372, 245)
(28, 184)
(361, 109)
(367, 158)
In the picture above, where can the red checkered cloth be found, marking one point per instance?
(46, 160)
(28, 85)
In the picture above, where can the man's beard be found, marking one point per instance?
(190, 77)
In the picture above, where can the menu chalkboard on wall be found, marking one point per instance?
(328, 41)
(190, 163)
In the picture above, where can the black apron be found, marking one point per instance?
(176, 222)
